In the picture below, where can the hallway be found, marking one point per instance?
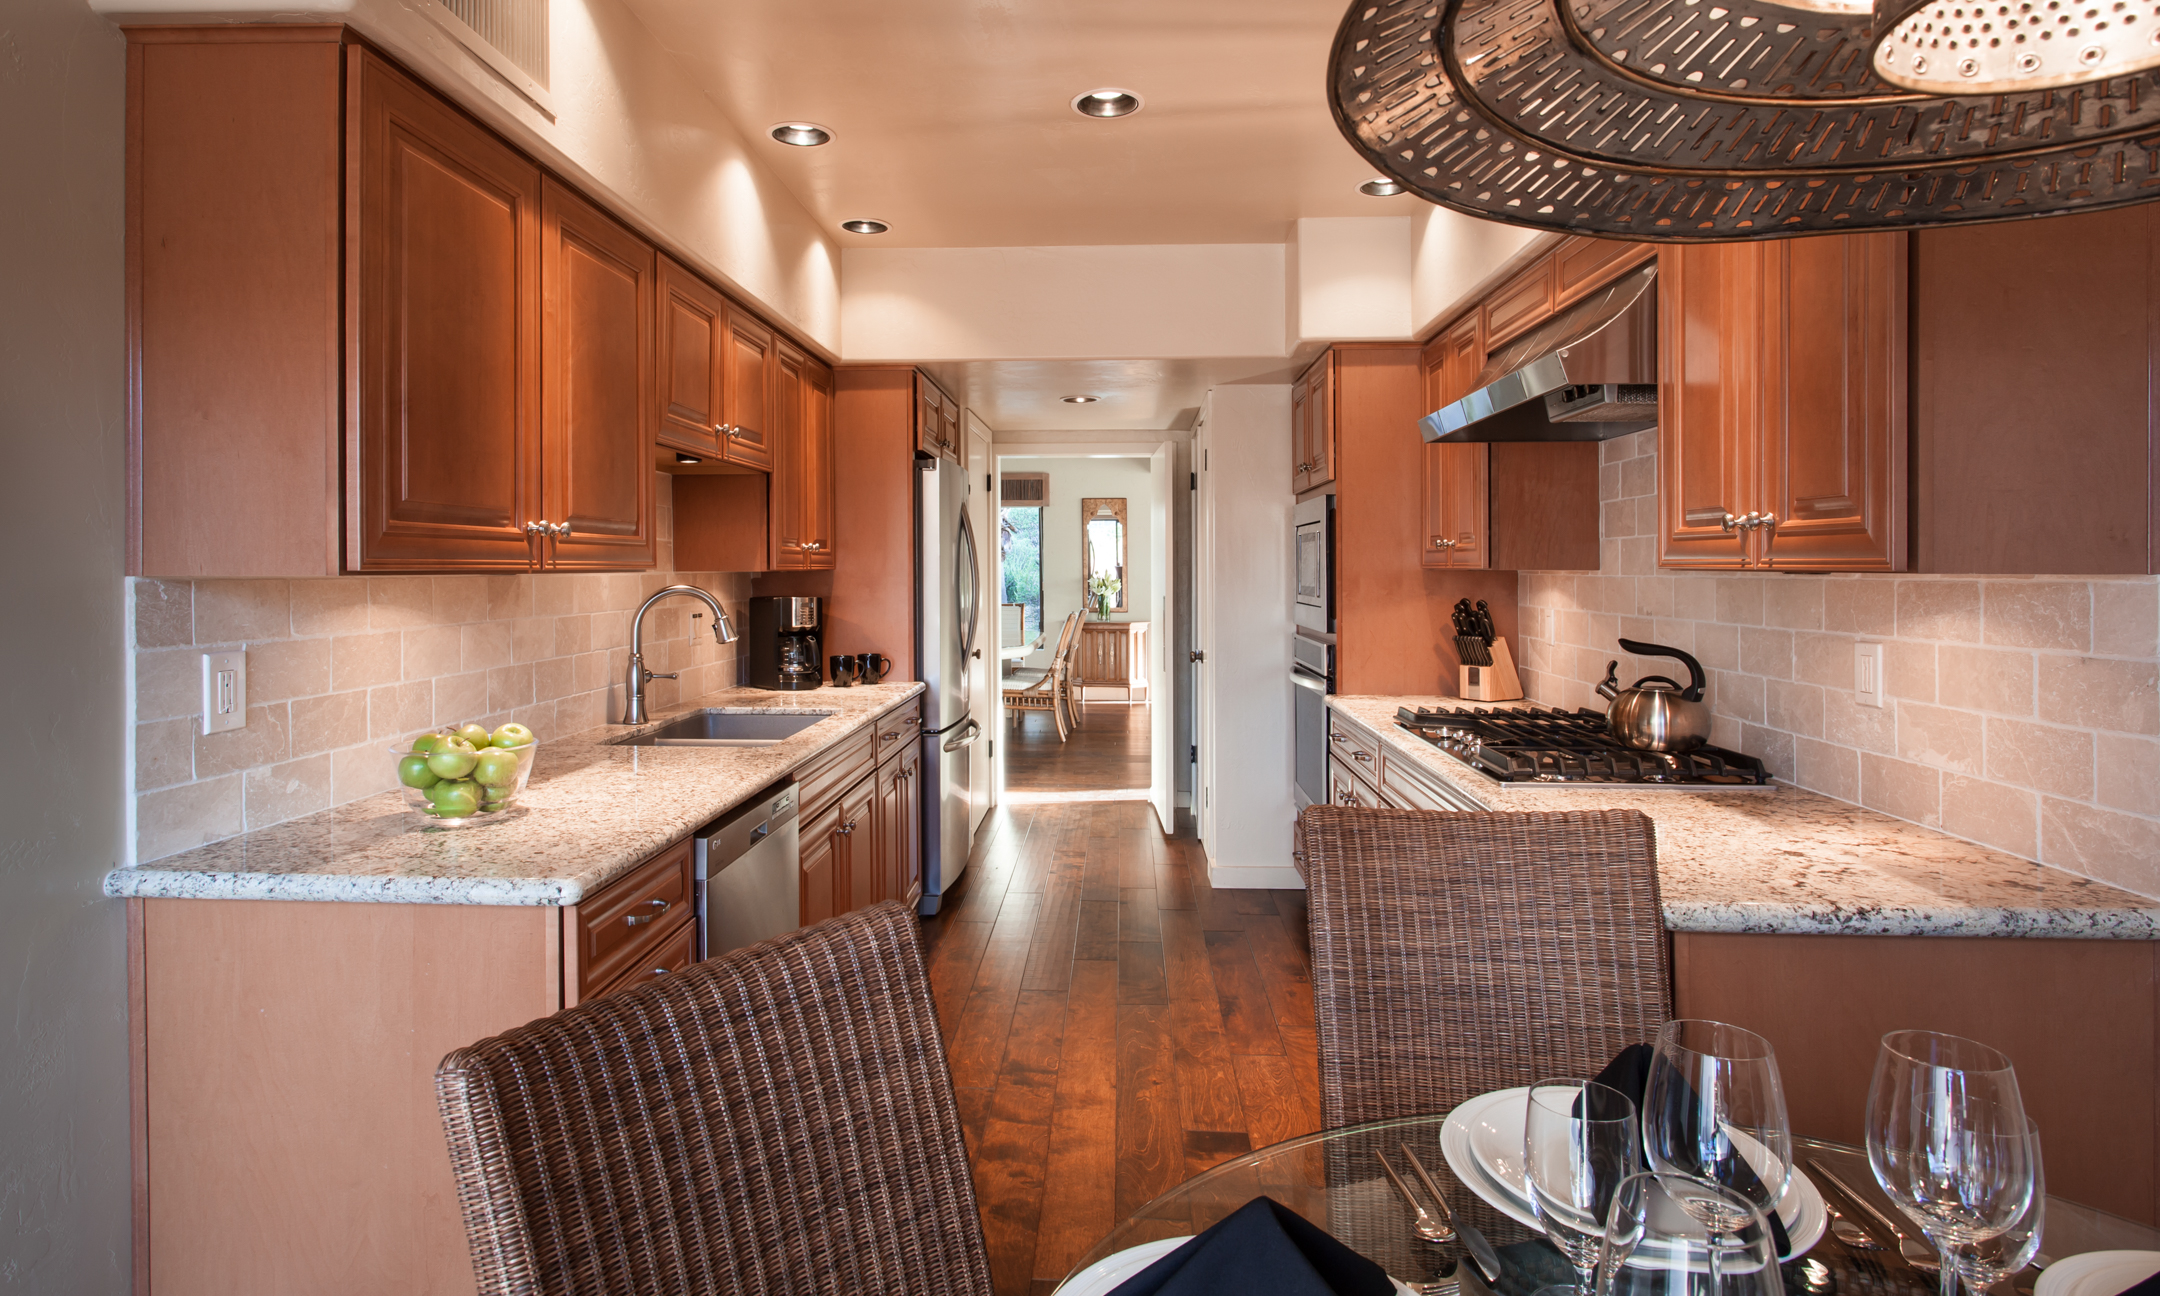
(1114, 1024)
(1108, 752)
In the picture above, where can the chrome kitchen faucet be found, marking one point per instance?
(723, 631)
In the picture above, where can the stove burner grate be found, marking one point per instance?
(1536, 745)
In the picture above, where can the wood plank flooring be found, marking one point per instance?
(1109, 750)
(1114, 1024)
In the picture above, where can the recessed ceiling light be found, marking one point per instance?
(802, 134)
(1109, 102)
(1379, 188)
(1079, 400)
(865, 226)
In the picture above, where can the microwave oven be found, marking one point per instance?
(1313, 601)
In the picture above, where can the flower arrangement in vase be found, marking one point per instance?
(1101, 590)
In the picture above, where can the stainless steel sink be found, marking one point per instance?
(720, 727)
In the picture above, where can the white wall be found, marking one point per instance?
(1351, 278)
(630, 125)
(1071, 480)
(1080, 303)
(1453, 257)
(64, 1180)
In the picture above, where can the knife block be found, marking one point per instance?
(1495, 683)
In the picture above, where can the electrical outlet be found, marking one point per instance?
(1868, 674)
(224, 691)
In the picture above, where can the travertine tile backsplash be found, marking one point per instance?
(2023, 711)
(341, 667)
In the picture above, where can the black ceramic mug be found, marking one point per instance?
(874, 667)
(844, 670)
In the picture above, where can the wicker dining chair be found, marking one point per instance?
(1048, 690)
(778, 1119)
(1458, 953)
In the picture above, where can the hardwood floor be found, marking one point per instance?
(1109, 750)
(1114, 1024)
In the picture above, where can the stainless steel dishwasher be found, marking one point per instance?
(749, 876)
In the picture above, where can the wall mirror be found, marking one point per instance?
(1102, 553)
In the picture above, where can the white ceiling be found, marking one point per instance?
(1137, 395)
(952, 118)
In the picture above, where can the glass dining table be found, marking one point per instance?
(1334, 1178)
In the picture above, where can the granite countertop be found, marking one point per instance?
(591, 812)
(1797, 862)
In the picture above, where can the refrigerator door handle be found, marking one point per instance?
(969, 732)
(967, 582)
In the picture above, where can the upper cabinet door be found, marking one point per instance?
(1520, 302)
(1321, 432)
(1709, 308)
(1833, 403)
(937, 420)
(692, 361)
(792, 543)
(748, 391)
(1300, 434)
(596, 281)
(955, 443)
(1457, 495)
(819, 464)
(443, 326)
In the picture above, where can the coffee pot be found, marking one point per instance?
(1655, 713)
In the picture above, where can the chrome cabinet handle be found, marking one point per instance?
(1767, 520)
(847, 829)
(1439, 543)
(660, 971)
(813, 544)
(889, 737)
(1361, 756)
(561, 529)
(536, 528)
(639, 920)
(1338, 738)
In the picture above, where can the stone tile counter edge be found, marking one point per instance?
(1796, 862)
(592, 811)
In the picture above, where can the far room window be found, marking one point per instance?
(1020, 545)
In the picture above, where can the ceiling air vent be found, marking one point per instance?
(1024, 490)
(510, 36)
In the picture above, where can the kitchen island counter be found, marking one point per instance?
(592, 811)
(1796, 862)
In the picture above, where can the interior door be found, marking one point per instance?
(1203, 628)
(984, 701)
(1162, 788)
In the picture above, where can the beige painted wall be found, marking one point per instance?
(64, 1186)
(2024, 711)
(630, 125)
(1072, 480)
(1453, 257)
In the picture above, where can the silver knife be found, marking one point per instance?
(1915, 1252)
(1481, 1251)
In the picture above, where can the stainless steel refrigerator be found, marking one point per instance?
(948, 599)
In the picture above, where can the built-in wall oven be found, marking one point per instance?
(1314, 598)
(1312, 678)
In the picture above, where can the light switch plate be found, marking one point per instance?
(1868, 674)
(224, 691)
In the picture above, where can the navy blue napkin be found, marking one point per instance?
(1629, 1072)
(1264, 1249)
(2150, 1287)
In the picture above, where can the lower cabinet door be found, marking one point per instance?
(676, 951)
(822, 847)
(892, 819)
(856, 884)
(910, 844)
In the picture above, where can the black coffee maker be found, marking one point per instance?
(781, 647)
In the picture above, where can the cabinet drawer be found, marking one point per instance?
(1521, 302)
(1346, 788)
(629, 918)
(675, 950)
(1353, 746)
(898, 729)
(1403, 782)
(822, 778)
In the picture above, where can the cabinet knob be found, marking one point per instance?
(1439, 543)
(536, 528)
(660, 971)
(847, 829)
(562, 529)
(639, 920)
(1361, 756)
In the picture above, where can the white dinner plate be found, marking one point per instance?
(1482, 1141)
(2097, 1273)
(1104, 1275)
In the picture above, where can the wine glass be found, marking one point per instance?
(1579, 1141)
(1948, 1139)
(1656, 1243)
(1714, 1109)
(1984, 1264)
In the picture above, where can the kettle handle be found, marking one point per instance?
(1693, 692)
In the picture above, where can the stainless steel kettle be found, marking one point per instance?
(1655, 713)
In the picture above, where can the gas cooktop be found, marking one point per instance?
(1535, 745)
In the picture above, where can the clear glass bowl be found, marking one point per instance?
(465, 800)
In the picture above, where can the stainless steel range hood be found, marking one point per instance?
(1587, 374)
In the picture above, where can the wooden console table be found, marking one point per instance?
(1113, 654)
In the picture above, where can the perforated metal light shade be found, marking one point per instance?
(1712, 120)
(2013, 46)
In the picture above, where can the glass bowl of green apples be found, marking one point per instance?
(466, 775)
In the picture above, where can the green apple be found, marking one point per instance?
(473, 735)
(429, 742)
(454, 798)
(495, 768)
(453, 760)
(413, 772)
(512, 735)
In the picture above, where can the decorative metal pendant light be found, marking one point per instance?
(1734, 119)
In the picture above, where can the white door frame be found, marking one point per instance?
(984, 790)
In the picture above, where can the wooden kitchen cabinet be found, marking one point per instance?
(803, 466)
(1522, 301)
(855, 848)
(1314, 429)
(1783, 394)
(444, 467)
(1456, 491)
(596, 389)
(750, 385)
(692, 359)
(906, 841)
(937, 421)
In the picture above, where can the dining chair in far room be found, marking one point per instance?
(1044, 690)
(1458, 953)
(777, 1119)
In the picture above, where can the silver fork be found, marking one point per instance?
(1916, 1253)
